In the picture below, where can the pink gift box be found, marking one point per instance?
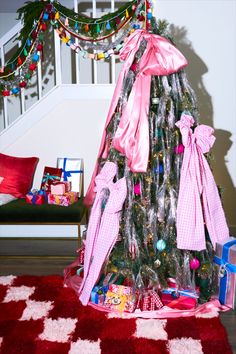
(63, 200)
(60, 188)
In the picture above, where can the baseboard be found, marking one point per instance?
(38, 247)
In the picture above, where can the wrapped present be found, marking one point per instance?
(120, 298)
(98, 294)
(183, 303)
(173, 292)
(36, 197)
(60, 188)
(150, 301)
(50, 175)
(225, 259)
(63, 200)
(72, 170)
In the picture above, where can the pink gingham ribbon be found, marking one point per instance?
(102, 237)
(198, 200)
(102, 180)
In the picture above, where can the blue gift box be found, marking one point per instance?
(225, 259)
(98, 294)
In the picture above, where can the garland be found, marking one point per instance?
(90, 37)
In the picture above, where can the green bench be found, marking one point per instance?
(18, 212)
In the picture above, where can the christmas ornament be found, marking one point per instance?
(32, 67)
(194, 263)
(179, 149)
(157, 263)
(137, 189)
(6, 93)
(161, 245)
(22, 84)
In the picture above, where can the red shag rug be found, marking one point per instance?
(38, 315)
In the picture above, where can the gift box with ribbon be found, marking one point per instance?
(63, 200)
(36, 197)
(60, 188)
(178, 298)
(98, 294)
(50, 175)
(150, 301)
(120, 298)
(225, 259)
(72, 170)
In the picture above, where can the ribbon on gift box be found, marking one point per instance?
(66, 173)
(174, 292)
(47, 177)
(225, 269)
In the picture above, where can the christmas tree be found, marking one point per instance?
(152, 130)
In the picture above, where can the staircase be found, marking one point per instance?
(61, 74)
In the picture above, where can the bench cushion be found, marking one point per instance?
(18, 211)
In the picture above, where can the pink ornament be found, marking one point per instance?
(179, 149)
(137, 189)
(194, 263)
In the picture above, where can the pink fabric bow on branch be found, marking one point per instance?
(132, 137)
(198, 200)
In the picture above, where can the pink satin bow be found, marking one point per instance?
(132, 137)
(198, 200)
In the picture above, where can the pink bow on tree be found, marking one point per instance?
(198, 201)
(132, 137)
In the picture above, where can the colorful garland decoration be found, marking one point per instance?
(90, 37)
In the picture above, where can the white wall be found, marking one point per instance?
(205, 31)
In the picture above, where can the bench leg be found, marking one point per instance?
(79, 236)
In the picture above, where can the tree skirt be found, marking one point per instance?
(38, 315)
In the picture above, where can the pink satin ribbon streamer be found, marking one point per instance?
(198, 200)
(209, 309)
(132, 137)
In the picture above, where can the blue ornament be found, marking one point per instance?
(15, 90)
(35, 57)
(161, 168)
(149, 15)
(45, 16)
(161, 245)
(28, 42)
(108, 26)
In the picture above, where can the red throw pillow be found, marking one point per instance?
(17, 173)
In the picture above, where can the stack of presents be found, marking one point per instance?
(113, 292)
(61, 185)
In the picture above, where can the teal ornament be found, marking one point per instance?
(108, 26)
(35, 57)
(76, 26)
(161, 245)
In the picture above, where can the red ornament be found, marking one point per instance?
(194, 263)
(179, 149)
(51, 15)
(34, 34)
(6, 93)
(141, 18)
(43, 26)
(39, 46)
(117, 20)
(19, 61)
(32, 67)
(22, 84)
(86, 27)
(134, 67)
